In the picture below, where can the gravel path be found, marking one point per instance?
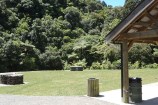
(49, 100)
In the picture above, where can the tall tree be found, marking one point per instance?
(130, 5)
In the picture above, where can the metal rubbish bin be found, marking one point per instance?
(135, 90)
(93, 87)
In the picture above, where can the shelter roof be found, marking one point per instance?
(140, 26)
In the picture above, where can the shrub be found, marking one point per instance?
(51, 59)
(81, 63)
(136, 65)
(106, 65)
(117, 64)
(17, 56)
(95, 65)
(154, 65)
(66, 66)
(28, 63)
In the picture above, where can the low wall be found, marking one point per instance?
(11, 78)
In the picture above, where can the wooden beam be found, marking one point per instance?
(151, 41)
(156, 8)
(145, 24)
(141, 35)
(130, 45)
(152, 18)
(125, 73)
(121, 70)
(154, 26)
(148, 42)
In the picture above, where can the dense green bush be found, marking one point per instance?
(136, 65)
(67, 66)
(18, 56)
(106, 64)
(95, 66)
(154, 65)
(51, 59)
(80, 63)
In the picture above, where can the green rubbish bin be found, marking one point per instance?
(135, 90)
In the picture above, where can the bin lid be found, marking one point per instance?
(135, 80)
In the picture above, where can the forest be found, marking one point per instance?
(57, 34)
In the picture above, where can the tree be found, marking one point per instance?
(104, 4)
(18, 56)
(130, 5)
(51, 59)
(72, 15)
(38, 38)
(155, 54)
(93, 6)
(32, 8)
(22, 29)
(141, 53)
(93, 21)
(8, 18)
(82, 48)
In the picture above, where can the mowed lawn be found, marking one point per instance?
(72, 83)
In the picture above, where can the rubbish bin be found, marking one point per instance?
(93, 87)
(135, 90)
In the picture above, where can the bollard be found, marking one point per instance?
(93, 87)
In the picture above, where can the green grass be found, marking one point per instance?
(66, 83)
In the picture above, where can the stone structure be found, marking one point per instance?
(11, 78)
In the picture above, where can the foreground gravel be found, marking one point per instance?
(50, 100)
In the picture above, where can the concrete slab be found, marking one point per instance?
(2, 85)
(149, 95)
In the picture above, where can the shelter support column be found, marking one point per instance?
(125, 72)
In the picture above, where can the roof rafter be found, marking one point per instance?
(151, 17)
(141, 35)
(145, 24)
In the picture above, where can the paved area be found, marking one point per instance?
(149, 95)
(50, 100)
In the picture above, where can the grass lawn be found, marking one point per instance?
(66, 83)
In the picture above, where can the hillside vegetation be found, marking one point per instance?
(55, 34)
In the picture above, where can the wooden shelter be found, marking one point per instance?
(140, 26)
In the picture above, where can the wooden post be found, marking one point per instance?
(125, 72)
(93, 87)
(121, 70)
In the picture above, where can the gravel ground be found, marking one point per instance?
(50, 100)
